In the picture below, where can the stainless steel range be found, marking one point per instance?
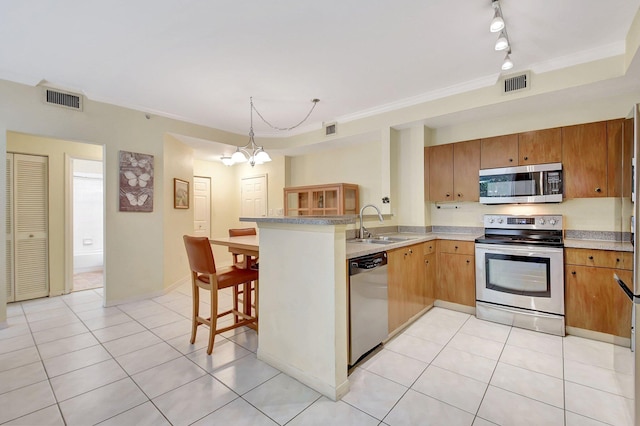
(520, 273)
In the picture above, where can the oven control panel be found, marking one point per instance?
(544, 221)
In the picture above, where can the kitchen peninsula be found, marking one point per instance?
(303, 299)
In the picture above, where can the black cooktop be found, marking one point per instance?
(548, 238)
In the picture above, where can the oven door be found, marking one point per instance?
(521, 276)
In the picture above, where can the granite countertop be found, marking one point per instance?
(598, 244)
(304, 220)
(361, 249)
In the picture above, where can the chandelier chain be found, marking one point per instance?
(315, 102)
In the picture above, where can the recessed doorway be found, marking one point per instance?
(88, 224)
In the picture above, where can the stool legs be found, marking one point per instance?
(196, 309)
(213, 325)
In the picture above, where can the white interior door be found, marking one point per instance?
(254, 196)
(30, 217)
(9, 227)
(202, 206)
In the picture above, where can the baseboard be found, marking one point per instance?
(175, 285)
(134, 299)
(333, 393)
(138, 298)
(602, 337)
(455, 307)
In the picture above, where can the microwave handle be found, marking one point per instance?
(635, 298)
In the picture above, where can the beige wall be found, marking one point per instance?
(367, 164)
(178, 163)
(55, 150)
(134, 243)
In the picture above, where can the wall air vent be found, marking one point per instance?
(516, 82)
(62, 99)
(330, 129)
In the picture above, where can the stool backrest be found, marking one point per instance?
(239, 232)
(200, 254)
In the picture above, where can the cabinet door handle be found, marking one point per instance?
(447, 195)
(459, 195)
(410, 251)
(573, 272)
(590, 257)
(526, 158)
(598, 190)
(456, 247)
(617, 260)
(511, 160)
(426, 262)
(468, 261)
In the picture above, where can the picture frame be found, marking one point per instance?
(135, 182)
(180, 194)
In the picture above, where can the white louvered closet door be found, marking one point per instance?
(9, 227)
(31, 271)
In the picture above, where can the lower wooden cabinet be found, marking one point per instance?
(406, 284)
(456, 273)
(593, 300)
(430, 273)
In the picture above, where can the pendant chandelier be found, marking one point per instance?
(253, 153)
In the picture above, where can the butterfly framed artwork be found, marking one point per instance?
(136, 182)
(180, 194)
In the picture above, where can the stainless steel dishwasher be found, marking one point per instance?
(368, 304)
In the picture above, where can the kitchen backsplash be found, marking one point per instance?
(602, 215)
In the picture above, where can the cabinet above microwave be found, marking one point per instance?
(540, 183)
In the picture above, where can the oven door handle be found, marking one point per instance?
(635, 298)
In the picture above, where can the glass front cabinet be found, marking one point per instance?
(321, 200)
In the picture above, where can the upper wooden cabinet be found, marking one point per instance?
(453, 171)
(596, 160)
(584, 160)
(441, 172)
(321, 200)
(499, 151)
(540, 147)
(522, 149)
(619, 154)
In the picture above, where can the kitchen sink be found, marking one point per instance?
(371, 241)
(382, 239)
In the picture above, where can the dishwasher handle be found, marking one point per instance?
(367, 263)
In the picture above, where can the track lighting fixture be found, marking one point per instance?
(502, 43)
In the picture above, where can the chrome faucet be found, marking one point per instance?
(363, 230)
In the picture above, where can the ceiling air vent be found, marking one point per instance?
(330, 129)
(63, 99)
(516, 83)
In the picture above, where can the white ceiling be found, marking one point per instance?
(201, 60)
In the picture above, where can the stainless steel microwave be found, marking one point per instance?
(540, 183)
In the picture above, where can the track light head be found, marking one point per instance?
(503, 42)
(508, 63)
(497, 23)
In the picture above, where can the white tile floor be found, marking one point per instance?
(67, 360)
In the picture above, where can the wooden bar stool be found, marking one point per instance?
(204, 275)
(244, 262)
